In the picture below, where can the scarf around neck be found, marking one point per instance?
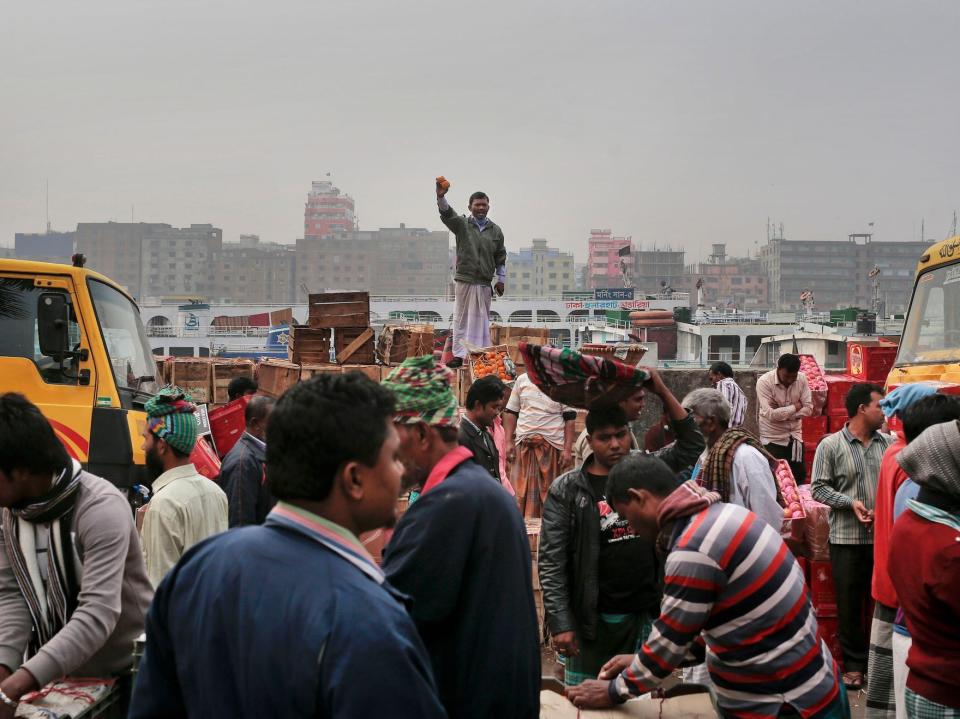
(52, 601)
(718, 467)
(685, 501)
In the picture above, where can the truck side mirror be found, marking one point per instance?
(53, 324)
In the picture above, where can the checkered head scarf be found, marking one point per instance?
(423, 392)
(170, 417)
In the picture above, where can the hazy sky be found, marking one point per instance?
(678, 122)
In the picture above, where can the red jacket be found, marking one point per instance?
(925, 568)
(891, 477)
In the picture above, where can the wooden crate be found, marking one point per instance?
(354, 345)
(472, 358)
(309, 345)
(399, 342)
(192, 374)
(162, 369)
(339, 309)
(277, 376)
(308, 371)
(373, 371)
(499, 334)
(224, 372)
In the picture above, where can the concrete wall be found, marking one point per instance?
(683, 381)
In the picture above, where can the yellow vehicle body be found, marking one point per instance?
(930, 345)
(94, 397)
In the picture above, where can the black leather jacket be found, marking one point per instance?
(484, 454)
(570, 539)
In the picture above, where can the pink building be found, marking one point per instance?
(603, 268)
(327, 211)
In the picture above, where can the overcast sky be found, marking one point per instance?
(678, 122)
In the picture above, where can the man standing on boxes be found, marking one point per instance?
(784, 399)
(540, 434)
(461, 551)
(480, 255)
(845, 473)
(186, 507)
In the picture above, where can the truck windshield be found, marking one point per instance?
(125, 338)
(932, 331)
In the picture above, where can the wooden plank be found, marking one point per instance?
(339, 309)
(351, 349)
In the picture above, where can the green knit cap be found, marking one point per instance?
(170, 417)
(423, 392)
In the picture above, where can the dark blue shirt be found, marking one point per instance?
(291, 619)
(461, 551)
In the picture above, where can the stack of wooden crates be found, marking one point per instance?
(342, 316)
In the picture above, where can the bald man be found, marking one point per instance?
(242, 474)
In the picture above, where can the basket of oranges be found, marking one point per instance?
(492, 361)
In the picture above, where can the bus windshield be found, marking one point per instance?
(932, 331)
(125, 338)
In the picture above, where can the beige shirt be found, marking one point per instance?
(186, 508)
(537, 413)
(779, 418)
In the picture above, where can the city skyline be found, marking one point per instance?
(682, 123)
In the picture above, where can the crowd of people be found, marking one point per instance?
(649, 561)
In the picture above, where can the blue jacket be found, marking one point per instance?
(290, 619)
(461, 551)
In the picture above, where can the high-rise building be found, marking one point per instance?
(539, 270)
(327, 212)
(45, 246)
(838, 272)
(656, 269)
(152, 260)
(604, 259)
(735, 282)
(389, 261)
(253, 272)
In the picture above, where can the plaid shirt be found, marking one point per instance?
(844, 470)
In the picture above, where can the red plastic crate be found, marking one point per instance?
(837, 421)
(205, 459)
(227, 424)
(814, 428)
(828, 630)
(822, 593)
(838, 385)
(870, 363)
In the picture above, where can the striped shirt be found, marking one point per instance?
(732, 584)
(845, 470)
(735, 398)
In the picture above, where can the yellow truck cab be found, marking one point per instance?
(72, 341)
(930, 346)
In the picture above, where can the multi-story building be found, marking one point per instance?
(151, 260)
(604, 259)
(7, 252)
(45, 246)
(327, 212)
(250, 271)
(389, 261)
(737, 282)
(539, 270)
(656, 269)
(116, 250)
(838, 272)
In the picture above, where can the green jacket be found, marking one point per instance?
(478, 253)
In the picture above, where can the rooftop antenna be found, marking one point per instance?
(874, 275)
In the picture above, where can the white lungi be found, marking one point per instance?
(471, 317)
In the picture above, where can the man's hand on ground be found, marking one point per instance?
(592, 694)
(611, 670)
(566, 644)
(499, 288)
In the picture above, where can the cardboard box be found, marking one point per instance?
(224, 372)
(277, 376)
(399, 342)
(309, 345)
(339, 309)
(354, 345)
(192, 374)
